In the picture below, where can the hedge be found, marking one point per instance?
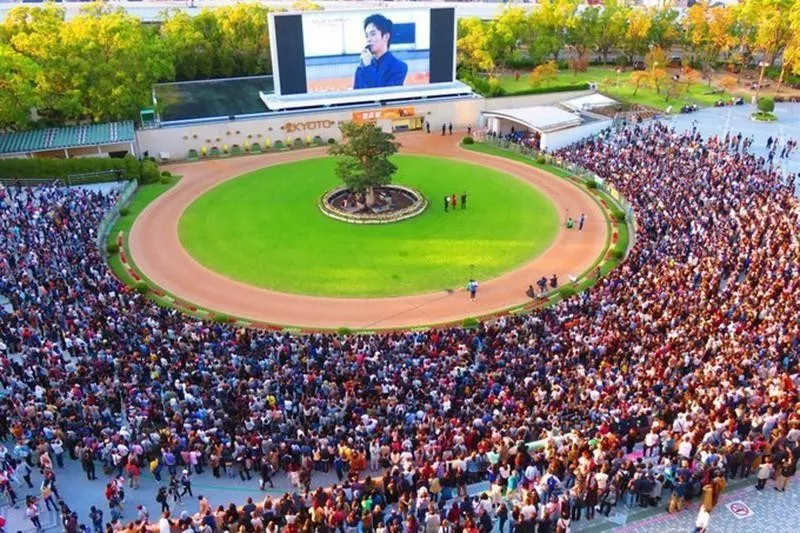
(112, 248)
(468, 140)
(470, 322)
(141, 287)
(554, 89)
(39, 168)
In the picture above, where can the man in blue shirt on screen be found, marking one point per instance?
(378, 66)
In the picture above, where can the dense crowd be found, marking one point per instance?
(676, 372)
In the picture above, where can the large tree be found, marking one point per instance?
(365, 151)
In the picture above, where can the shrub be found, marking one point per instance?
(192, 154)
(331, 141)
(221, 318)
(236, 149)
(317, 140)
(618, 215)
(766, 104)
(166, 174)
(149, 172)
(255, 148)
(470, 322)
(541, 159)
(214, 152)
(141, 287)
(278, 145)
(567, 292)
(112, 248)
(344, 331)
(590, 183)
(299, 143)
(468, 140)
(164, 180)
(124, 211)
(617, 254)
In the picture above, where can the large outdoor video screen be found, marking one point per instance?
(341, 51)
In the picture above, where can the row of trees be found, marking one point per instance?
(102, 64)
(569, 29)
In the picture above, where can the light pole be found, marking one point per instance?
(619, 71)
(763, 65)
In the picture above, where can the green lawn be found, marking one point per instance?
(606, 79)
(265, 229)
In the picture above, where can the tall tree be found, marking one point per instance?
(472, 46)
(582, 36)
(244, 40)
(18, 91)
(612, 22)
(365, 163)
(635, 42)
(506, 34)
(192, 42)
(549, 23)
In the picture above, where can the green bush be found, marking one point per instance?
(124, 211)
(141, 287)
(221, 318)
(236, 149)
(618, 215)
(344, 331)
(166, 174)
(541, 159)
(766, 104)
(149, 172)
(112, 248)
(299, 143)
(255, 148)
(331, 141)
(317, 140)
(567, 292)
(39, 168)
(468, 140)
(278, 145)
(590, 183)
(164, 180)
(617, 254)
(470, 322)
(193, 154)
(214, 152)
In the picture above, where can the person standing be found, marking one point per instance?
(427, 126)
(444, 129)
(581, 221)
(450, 128)
(763, 473)
(453, 201)
(472, 287)
(446, 203)
(469, 130)
(703, 517)
(32, 513)
(463, 200)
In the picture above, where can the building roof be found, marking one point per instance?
(542, 118)
(21, 142)
(590, 101)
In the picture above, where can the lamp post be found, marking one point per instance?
(619, 71)
(763, 65)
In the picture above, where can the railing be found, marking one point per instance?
(113, 215)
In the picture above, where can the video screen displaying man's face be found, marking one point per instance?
(377, 42)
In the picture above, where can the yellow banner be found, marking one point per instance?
(383, 114)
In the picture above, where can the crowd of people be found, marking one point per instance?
(677, 371)
(528, 139)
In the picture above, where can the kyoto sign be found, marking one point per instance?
(291, 127)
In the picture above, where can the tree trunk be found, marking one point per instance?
(780, 79)
(370, 196)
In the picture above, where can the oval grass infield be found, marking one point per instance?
(265, 229)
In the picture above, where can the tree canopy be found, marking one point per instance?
(365, 151)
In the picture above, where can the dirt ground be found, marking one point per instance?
(157, 251)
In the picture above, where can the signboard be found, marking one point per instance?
(383, 114)
(739, 509)
(310, 125)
